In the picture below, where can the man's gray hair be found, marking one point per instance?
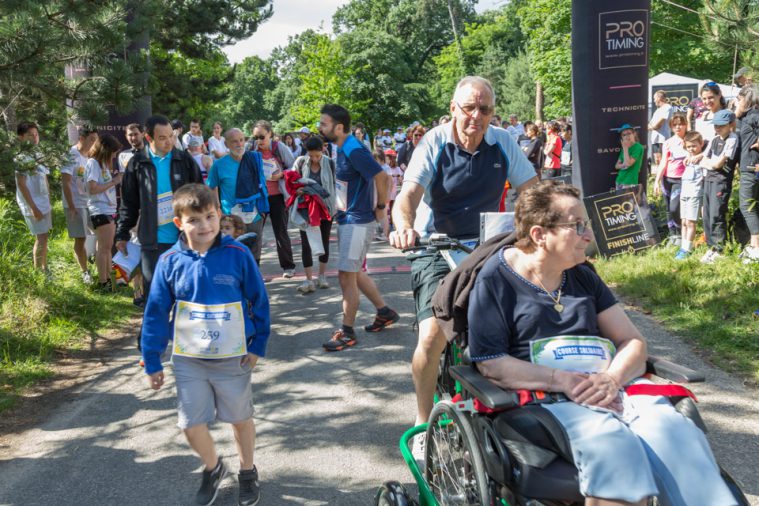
(750, 95)
(231, 131)
(476, 81)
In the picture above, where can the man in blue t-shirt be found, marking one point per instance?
(361, 190)
(457, 171)
(223, 175)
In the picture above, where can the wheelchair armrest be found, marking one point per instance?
(490, 394)
(673, 372)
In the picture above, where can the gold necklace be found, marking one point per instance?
(557, 305)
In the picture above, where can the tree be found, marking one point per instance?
(734, 24)
(547, 26)
(680, 45)
(250, 94)
(515, 90)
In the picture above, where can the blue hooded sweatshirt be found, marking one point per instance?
(226, 274)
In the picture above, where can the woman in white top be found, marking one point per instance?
(711, 96)
(216, 145)
(101, 186)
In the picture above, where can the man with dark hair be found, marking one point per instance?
(73, 180)
(177, 127)
(135, 135)
(361, 190)
(152, 176)
(32, 194)
(195, 134)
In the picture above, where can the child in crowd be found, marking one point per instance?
(720, 160)
(233, 226)
(379, 157)
(208, 295)
(101, 204)
(630, 157)
(33, 195)
(691, 192)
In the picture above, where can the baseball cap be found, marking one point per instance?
(625, 126)
(177, 124)
(741, 72)
(400, 128)
(386, 130)
(390, 152)
(194, 143)
(723, 117)
(305, 130)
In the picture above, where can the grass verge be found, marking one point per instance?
(38, 317)
(711, 305)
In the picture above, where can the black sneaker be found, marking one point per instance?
(250, 491)
(382, 320)
(209, 487)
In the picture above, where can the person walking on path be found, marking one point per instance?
(361, 188)
(147, 189)
(277, 158)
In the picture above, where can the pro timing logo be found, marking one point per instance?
(623, 39)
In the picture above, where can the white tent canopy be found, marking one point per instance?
(667, 79)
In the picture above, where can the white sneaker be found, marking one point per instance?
(419, 448)
(86, 278)
(306, 287)
(716, 255)
(707, 257)
(750, 255)
(289, 273)
(322, 282)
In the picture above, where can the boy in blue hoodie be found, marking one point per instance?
(209, 297)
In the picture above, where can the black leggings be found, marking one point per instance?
(279, 217)
(325, 227)
(672, 187)
(748, 191)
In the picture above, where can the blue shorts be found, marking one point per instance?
(209, 390)
(657, 452)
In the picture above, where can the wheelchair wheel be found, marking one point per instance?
(392, 493)
(445, 388)
(454, 469)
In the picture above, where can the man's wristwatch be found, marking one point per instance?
(381, 206)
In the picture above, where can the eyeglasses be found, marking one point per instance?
(259, 137)
(419, 136)
(579, 226)
(470, 109)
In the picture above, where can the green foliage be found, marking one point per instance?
(514, 87)
(546, 25)
(252, 93)
(38, 317)
(185, 87)
(679, 44)
(710, 305)
(733, 24)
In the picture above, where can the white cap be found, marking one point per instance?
(305, 130)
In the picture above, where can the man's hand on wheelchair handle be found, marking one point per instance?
(403, 238)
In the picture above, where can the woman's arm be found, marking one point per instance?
(94, 187)
(513, 374)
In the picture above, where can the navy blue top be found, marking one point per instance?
(357, 167)
(506, 311)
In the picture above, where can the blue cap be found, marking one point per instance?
(723, 117)
(625, 126)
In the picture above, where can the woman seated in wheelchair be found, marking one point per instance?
(554, 326)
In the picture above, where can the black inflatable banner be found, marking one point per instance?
(610, 44)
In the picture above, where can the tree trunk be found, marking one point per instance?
(456, 36)
(8, 112)
(539, 101)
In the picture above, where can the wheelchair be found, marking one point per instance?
(486, 446)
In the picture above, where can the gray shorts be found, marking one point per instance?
(37, 227)
(690, 207)
(209, 390)
(77, 224)
(353, 243)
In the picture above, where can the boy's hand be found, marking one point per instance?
(249, 359)
(156, 380)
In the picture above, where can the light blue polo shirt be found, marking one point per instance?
(458, 185)
(223, 175)
(168, 233)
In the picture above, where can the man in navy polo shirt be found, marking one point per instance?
(457, 171)
(361, 189)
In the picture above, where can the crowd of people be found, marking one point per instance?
(196, 209)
